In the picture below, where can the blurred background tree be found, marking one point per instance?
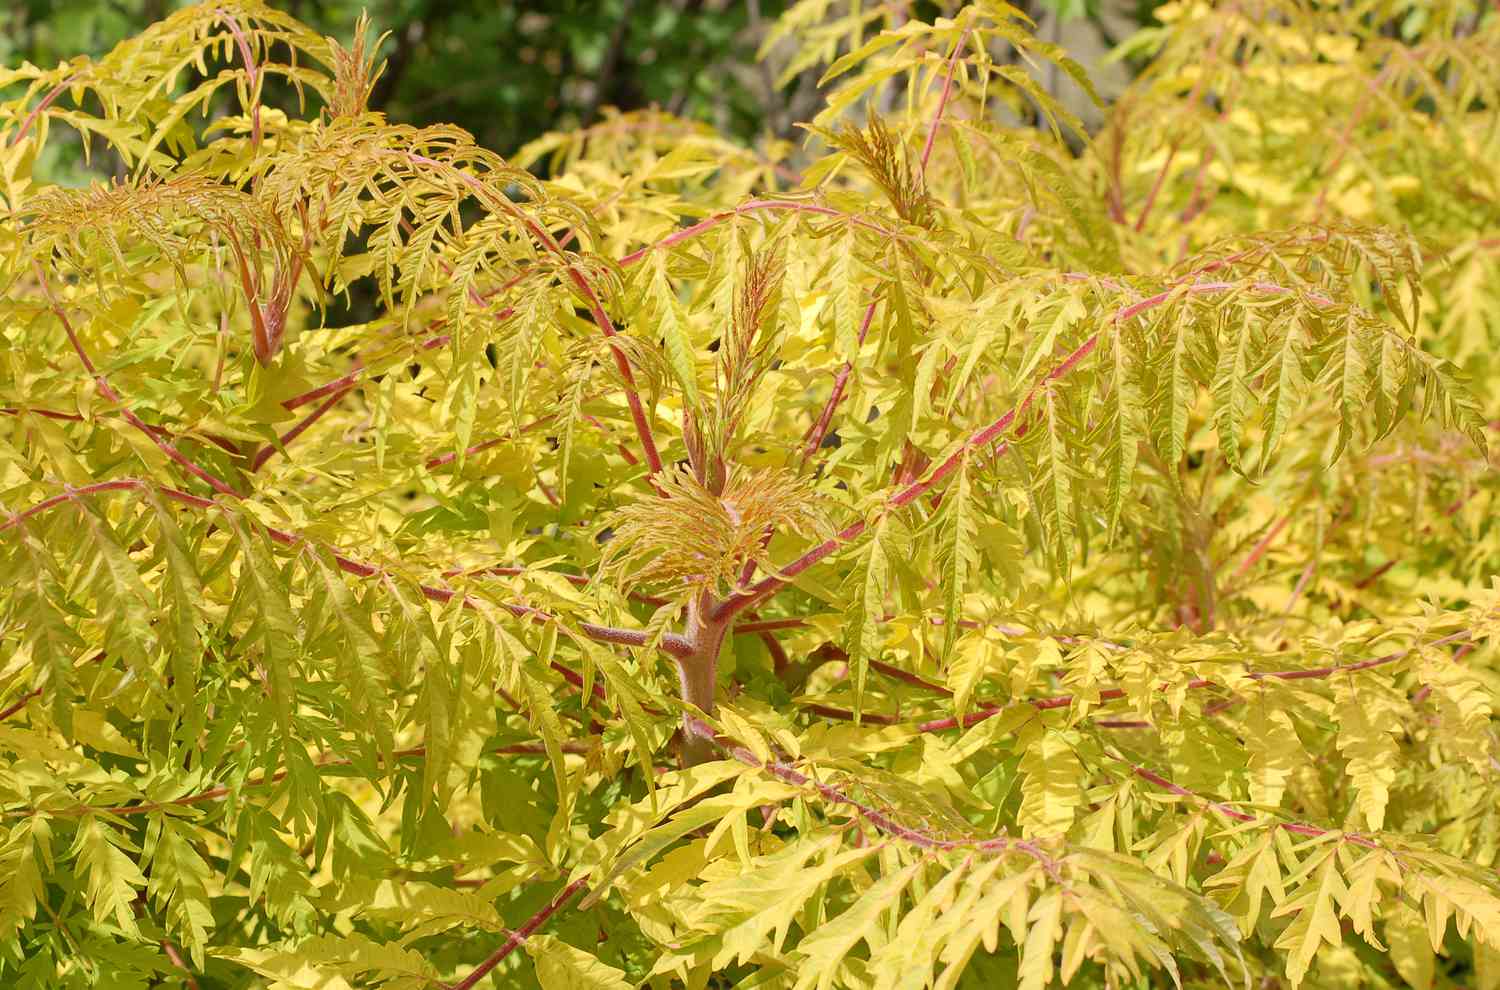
(511, 70)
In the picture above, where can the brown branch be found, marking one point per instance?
(25, 699)
(312, 395)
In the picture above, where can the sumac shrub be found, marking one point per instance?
(989, 555)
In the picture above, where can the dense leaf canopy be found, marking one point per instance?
(996, 554)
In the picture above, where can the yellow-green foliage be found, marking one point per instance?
(995, 556)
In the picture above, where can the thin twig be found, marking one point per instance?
(1296, 828)
(109, 393)
(937, 117)
(520, 935)
(670, 643)
(1115, 694)
(590, 298)
(270, 450)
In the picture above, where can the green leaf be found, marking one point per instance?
(559, 966)
(824, 949)
(111, 877)
(1052, 785)
(1315, 916)
(672, 324)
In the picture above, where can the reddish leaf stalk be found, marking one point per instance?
(270, 450)
(1192, 99)
(1296, 828)
(344, 381)
(1261, 547)
(937, 117)
(672, 644)
(770, 585)
(819, 429)
(215, 793)
(177, 960)
(47, 413)
(1348, 132)
(708, 223)
(1161, 177)
(41, 108)
(596, 308)
(106, 390)
(907, 677)
(876, 818)
(252, 75)
(520, 935)
(1114, 694)
(982, 439)
(1374, 575)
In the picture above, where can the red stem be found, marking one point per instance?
(907, 677)
(252, 75)
(41, 108)
(596, 308)
(343, 382)
(214, 793)
(270, 450)
(878, 819)
(937, 117)
(709, 223)
(1261, 547)
(671, 643)
(819, 430)
(1297, 828)
(770, 585)
(106, 390)
(518, 936)
(1114, 694)
(1161, 177)
(1374, 575)
(625, 262)
(180, 963)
